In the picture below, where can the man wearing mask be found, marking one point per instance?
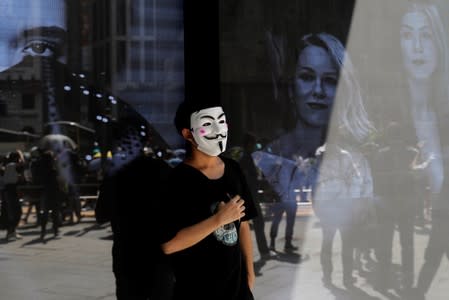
(209, 204)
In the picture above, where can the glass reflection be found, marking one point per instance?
(424, 48)
(336, 169)
(49, 99)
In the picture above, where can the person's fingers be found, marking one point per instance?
(241, 203)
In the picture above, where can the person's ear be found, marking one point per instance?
(187, 134)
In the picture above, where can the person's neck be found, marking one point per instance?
(313, 136)
(200, 160)
(420, 94)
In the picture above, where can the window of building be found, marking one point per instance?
(3, 108)
(28, 101)
(121, 17)
(149, 11)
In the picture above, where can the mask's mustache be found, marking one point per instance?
(216, 137)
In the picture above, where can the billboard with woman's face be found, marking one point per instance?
(86, 87)
(348, 103)
(67, 69)
(32, 28)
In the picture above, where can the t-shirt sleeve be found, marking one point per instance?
(243, 189)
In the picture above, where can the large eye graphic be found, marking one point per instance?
(40, 48)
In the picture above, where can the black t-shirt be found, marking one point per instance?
(212, 268)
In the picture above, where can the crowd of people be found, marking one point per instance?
(35, 179)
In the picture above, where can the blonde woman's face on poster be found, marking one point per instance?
(419, 52)
(31, 28)
(315, 86)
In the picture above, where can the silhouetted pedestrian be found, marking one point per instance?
(130, 200)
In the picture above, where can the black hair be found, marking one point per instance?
(185, 110)
(182, 118)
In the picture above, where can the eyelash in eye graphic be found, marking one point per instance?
(41, 48)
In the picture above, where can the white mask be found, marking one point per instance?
(210, 130)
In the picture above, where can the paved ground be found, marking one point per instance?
(78, 266)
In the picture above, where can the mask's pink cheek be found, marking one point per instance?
(202, 132)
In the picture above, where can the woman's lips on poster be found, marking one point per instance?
(419, 61)
(317, 105)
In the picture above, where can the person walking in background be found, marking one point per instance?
(11, 208)
(396, 205)
(73, 171)
(249, 169)
(50, 204)
(209, 204)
